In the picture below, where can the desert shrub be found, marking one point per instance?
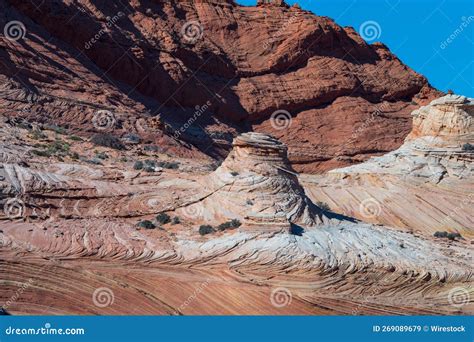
(176, 220)
(151, 148)
(163, 218)
(58, 148)
(440, 234)
(55, 128)
(38, 135)
(102, 155)
(453, 236)
(131, 138)
(206, 229)
(249, 202)
(107, 140)
(234, 173)
(94, 161)
(468, 147)
(74, 155)
(169, 165)
(323, 205)
(75, 138)
(146, 224)
(40, 153)
(138, 165)
(232, 224)
(450, 236)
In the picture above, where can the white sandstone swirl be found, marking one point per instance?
(348, 246)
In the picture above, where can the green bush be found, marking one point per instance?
(176, 220)
(453, 236)
(138, 165)
(206, 229)
(38, 135)
(468, 147)
(450, 236)
(107, 140)
(75, 138)
(169, 165)
(229, 225)
(163, 218)
(146, 224)
(102, 155)
(440, 234)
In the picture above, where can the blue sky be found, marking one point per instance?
(417, 31)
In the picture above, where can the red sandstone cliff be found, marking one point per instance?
(347, 99)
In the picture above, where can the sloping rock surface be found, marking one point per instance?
(225, 67)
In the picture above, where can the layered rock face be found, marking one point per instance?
(70, 221)
(242, 64)
(437, 147)
(426, 184)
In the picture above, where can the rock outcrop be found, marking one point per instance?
(425, 185)
(257, 185)
(437, 147)
(272, 69)
(78, 221)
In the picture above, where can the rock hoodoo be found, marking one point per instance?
(440, 144)
(257, 184)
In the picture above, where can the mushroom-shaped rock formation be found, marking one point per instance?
(257, 184)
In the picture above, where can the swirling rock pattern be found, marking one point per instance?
(78, 234)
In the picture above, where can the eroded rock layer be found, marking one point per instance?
(426, 185)
(102, 224)
(213, 66)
